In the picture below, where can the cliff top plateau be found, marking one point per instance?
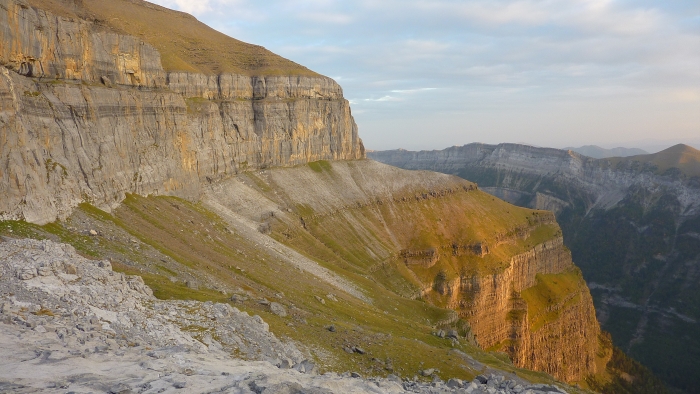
(184, 43)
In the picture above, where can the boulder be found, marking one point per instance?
(278, 309)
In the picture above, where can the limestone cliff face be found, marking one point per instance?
(543, 178)
(501, 319)
(87, 114)
(39, 44)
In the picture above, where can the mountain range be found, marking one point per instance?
(631, 224)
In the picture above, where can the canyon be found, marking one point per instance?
(631, 225)
(217, 171)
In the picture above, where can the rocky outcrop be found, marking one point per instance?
(501, 319)
(87, 114)
(69, 323)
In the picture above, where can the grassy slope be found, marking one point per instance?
(365, 237)
(550, 290)
(393, 328)
(168, 239)
(185, 44)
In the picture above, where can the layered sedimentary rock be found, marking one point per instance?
(631, 223)
(433, 236)
(87, 114)
(501, 319)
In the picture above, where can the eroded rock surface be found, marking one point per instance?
(69, 323)
(88, 114)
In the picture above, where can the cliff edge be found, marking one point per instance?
(88, 113)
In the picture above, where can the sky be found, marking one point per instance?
(429, 74)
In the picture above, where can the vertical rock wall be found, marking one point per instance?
(564, 346)
(87, 114)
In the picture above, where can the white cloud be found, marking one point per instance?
(412, 90)
(385, 98)
(505, 63)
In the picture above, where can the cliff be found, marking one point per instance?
(422, 235)
(513, 311)
(89, 114)
(97, 107)
(631, 224)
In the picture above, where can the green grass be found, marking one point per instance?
(320, 166)
(552, 290)
(184, 43)
(391, 328)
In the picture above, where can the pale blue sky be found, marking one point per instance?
(427, 74)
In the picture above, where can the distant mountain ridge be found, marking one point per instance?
(597, 152)
(632, 224)
(681, 157)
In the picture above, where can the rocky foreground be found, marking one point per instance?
(70, 324)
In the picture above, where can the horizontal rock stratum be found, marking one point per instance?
(193, 147)
(90, 114)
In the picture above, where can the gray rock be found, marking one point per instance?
(284, 388)
(238, 298)
(278, 309)
(454, 383)
(44, 271)
(120, 388)
(27, 273)
(264, 301)
(305, 366)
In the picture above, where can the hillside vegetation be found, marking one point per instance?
(340, 267)
(184, 43)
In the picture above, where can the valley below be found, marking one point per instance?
(630, 224)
